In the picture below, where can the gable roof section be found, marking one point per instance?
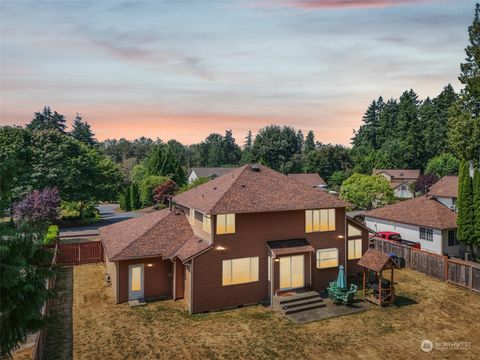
(210, 171)
(399, 174)
(421, 211)
(161, 233)
(309, 179)
(377, 261)
(447, 186)
(245, 190)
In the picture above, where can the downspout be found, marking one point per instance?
(345, 235)
(272, 277)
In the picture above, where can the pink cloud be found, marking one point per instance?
(333, 4)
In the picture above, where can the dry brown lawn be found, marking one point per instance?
(427, 309)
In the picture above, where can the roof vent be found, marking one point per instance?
(255, 167)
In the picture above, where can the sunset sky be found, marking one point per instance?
(184, 69)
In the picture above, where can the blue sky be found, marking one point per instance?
(184, 69)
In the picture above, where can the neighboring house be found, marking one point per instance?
(445, 190)
(314, 180)
(208, 172)
(239, 239)
(400, 180)
(424, 220)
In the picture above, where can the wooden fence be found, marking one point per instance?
(455, 271)
(80, 253)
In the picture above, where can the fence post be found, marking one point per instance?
(470, 280)
(445, 269)
(79, 257)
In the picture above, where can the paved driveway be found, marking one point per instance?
(108, 216)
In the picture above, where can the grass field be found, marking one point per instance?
(427, 309)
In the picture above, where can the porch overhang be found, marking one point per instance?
(288, 247)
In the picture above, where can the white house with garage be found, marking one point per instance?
(429, 220)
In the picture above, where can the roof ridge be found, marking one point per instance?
(245, 167)
(143, 234)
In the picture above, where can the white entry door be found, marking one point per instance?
(135, 282)
(292, 271)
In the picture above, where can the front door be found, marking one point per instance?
(135, 282)
(292, 272)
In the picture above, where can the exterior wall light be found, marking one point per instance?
(277, 260)
(340, 236)
(150, 265)
(220, 247)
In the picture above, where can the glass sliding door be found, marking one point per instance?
(292, 272)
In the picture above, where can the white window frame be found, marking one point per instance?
(207, 223)
(314, 217)
(318, 260)
(224, 221)
(425, 233)
(357, 247)
(228, 266)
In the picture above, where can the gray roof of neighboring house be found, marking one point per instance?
(210, 171)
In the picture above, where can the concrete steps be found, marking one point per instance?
(299, 302)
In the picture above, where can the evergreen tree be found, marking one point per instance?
(309, 143)
(247, 148)
(464, 119)
(82, 131)
(387, 122)
(476, 206)
(410, 129)
(465, 219)
(163, 162)
(231, 151)
(300, 140)
(135, 196)
(46, 120)
(128, 204)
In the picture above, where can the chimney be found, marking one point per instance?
(255, 167)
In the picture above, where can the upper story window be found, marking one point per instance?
(354, 231)
(225, 224)
(319, 220)
(327, 258)
(207, 223)
(191, 216)
(426, 234)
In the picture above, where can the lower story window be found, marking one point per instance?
(452, 238)
(239, 271)
(426, 234)
(327, 258)
(354, 249)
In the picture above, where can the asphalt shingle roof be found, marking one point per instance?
(245, 190)
(309, 179)
(447, 186)
(420, 211)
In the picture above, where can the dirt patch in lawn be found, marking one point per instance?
(427, 309)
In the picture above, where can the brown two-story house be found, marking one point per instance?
(239, 239)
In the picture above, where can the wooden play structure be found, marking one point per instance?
(377, 289)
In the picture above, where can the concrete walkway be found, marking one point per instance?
(108, 215)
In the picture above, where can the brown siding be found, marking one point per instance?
(197, 226)
(179, 279)
(353, 267)
(253, 230)
(157, 279)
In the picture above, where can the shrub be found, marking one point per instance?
(147, 186)
(38, 206)
(161, 193)
(366, 191)
(70, 210)
(51, 235)
(444, 164)
(135, 196)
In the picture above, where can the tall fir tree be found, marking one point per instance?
(410, 128)
(128, 203)
(464, 119)
(48, 120)
(82, 132)
(135, 196)
(247, 148)
(309, 143)
(476, 205)
(465, 219)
